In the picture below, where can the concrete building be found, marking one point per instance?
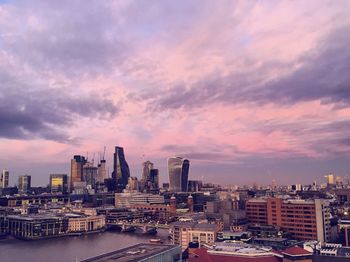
(24, 184)
(256, 211)
(4, 179)
(141, 253)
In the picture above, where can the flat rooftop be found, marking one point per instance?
(132, 254)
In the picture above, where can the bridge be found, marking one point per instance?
(145, 226)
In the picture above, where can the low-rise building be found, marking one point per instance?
(81, 224)
(141, 253)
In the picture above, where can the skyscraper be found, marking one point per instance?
(24, 183)
(121, 172)
(59, 183)
(90, 174)
(146, 169)
(178, 168)
(4, 179)
(77, 164)
(102, 172)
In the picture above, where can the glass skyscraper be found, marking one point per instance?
(178, 168)
(121, 172)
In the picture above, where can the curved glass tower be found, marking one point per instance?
(121, 172)
(178, 168)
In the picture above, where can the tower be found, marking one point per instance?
(178, 168)
(4, 179)
(190, 203)
(24, 183)
(173, 204)
(77, 164)
(121, 172)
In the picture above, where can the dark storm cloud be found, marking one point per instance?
(28, 111)
(324, 75)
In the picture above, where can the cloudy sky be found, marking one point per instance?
(247, 90)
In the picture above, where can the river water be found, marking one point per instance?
(70, 249)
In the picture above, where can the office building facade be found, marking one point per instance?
(121, 172)
(77, 164)
(178, 169)
(4, 179)
(24, 184)
(59, 183)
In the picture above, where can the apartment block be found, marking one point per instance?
(304, 219)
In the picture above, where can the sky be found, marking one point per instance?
(248, 91)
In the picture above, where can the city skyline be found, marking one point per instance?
(247, 91)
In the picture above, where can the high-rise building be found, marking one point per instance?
(102, 172)
(330, 179)
(24, 183)
(121, 172)
(178, 173)
(90, 174)
(77, 164)
(154, 178)
(4, 179)
(59, 183)
(146, 169)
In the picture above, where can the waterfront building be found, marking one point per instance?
(132, 199)
(24, 184)
(59, 183)
(144, 252)
(178, 169)
(36, 226)
(77, 164)
(4, 179)
(303, 219)
(121, 172)
(82, 223)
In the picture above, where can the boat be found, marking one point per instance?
(128, 229)
(156, 240)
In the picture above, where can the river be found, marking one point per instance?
(70, 249)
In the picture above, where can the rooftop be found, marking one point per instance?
(296, 251)
(132, 254)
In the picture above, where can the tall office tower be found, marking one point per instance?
(154, 178)
(4, 179)
(59, 183)
(330, 179)
(178, 173)
(101, 172)
(77, 164)
(121, 172)
(146, 169)
(90, 174)
(24, 183)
